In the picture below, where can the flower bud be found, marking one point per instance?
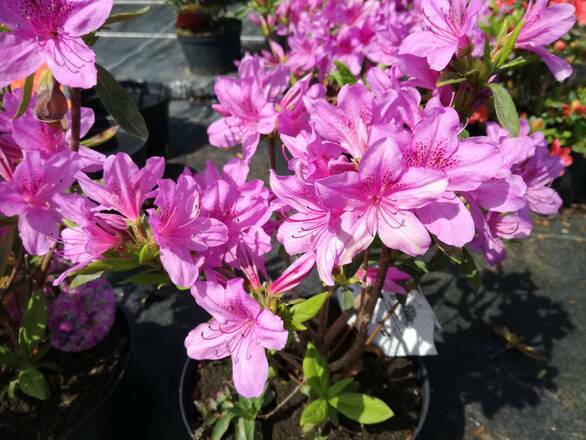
(51, 104)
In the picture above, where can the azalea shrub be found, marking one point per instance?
(368, 104)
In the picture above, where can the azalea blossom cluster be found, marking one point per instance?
(379, 158)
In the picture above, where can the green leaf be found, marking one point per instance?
(34, 322)
(32, 383)
(108, 264)
(314, 414)
(502, 55)
(120, 105)
(342, 75)
(309, 308)
(148, 253)
(347, 299)
(8, 357)
(222, 425)
(448, 78)
(127, 15)
(454, 253)
(80, 280)
(505, 109)
(362, 408)
(315, 370)
(25, 99)
(471, 271)
(339, 386)
(12, 388)
(148, 279)
(245, 429)
(100, 138)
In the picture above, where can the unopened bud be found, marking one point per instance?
(51, 104)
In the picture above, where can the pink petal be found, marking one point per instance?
(250, 368)
(87, 16)
(21, 56)
(203, 342)
(72, 62)
(293, 275)
(38, 229)
(182, 267)
(419, 186)
(449, 220)
(401, 230)
(270, 331)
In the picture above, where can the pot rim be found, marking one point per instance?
(421, 373)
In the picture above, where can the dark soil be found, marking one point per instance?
(392, 380)
(86, 380)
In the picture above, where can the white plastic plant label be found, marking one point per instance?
(407, 330)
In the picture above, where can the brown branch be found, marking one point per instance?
(75, 118)
(281, 404)
(379, 325)
(336, 328)
(365, 316)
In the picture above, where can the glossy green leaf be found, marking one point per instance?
(148, 279)
(315, 370)
(339, 386)
(502, 55)
(505, 109)
(314, 414)
(26, 95)
(362, 408)
(109, 264)
(32, 383)
(148, 253)
(120, 105)
(127, 15)
(33, 324)
(342, 75)
(8, 357)
(222, 426)
(100, 138)
(309, 308)
(80, 280)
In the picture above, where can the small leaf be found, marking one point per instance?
(125, 16)
(100, 138)
(32, 383)
(108, 264)
(8, 357)
(339, 386)
(448, 78)
(148, 279)
(505, 109)
(309, 308)
(80, 280)
(314, 414)
(315, 370)
(25, 99)
(222, 425)
(470, 270)
(362, 408)
(454, 253)
(120, 105)
(12, 388)
(34, 322)
(148, 253)
(245, 429)
(343, 75)
(347, 299)
(502, 55)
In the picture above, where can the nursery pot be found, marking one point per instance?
(188, 382)
(213, 53)
(92, 413)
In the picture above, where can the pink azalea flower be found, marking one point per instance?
(468, 163)
(50, 32)
(544, 25)
(242, 206)
(293, 275)
(29, 195)
(392, 280)
(239, 328)
(125, 186)
(92, 234)
(448, 23)
(379, 199)
(180, 231)
(312, 228)
(245, 115)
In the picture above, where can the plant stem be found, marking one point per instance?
(272, 152)
(281, 404)
(75, 118)
(379, 325)
(365, 316)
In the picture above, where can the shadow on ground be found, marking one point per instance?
(474, 370)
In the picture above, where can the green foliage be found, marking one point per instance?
(228, 409)
(27, 361)
(505, 109)
(329, 399)
(342, 75)
(119, 104)
(301, 311)
(26, 96)
(127, 15)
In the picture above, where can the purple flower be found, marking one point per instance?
(239, 328)
(448, 23)
(544, 24)
(125, 187)
(180, 231)
(51, 32)
(29, 195)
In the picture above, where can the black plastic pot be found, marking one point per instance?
(213, 53)
(187, 377)
(102, 419)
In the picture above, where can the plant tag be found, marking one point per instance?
(408, 330)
